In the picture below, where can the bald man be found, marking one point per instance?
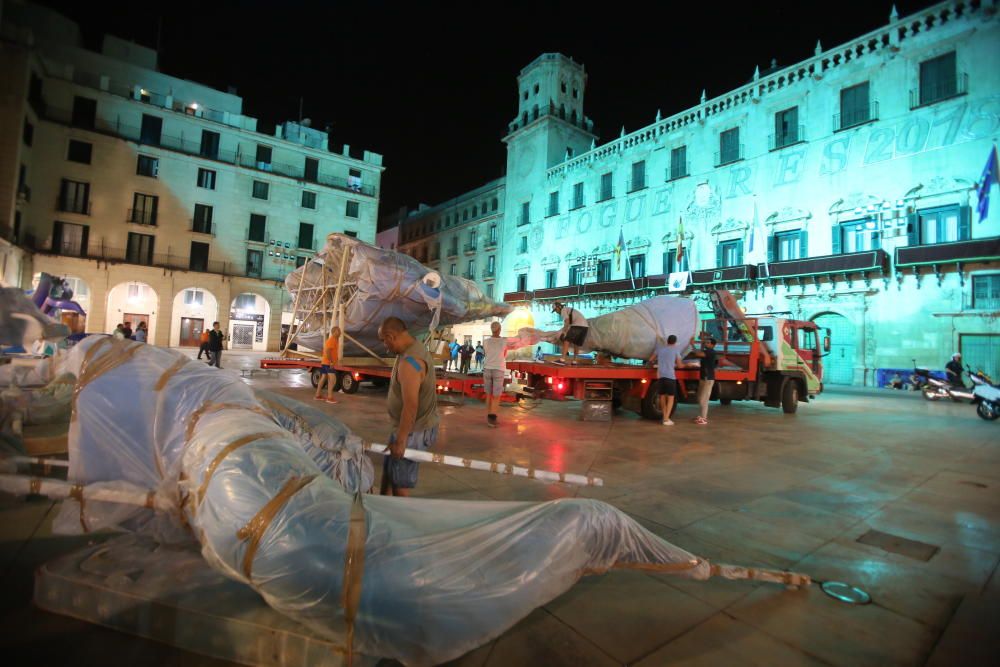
(412, 406)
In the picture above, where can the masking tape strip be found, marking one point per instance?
(76, 492)
(170, 373)
(254, 530)
(209, 407)
(226, 451)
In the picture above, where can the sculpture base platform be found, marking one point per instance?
(170, 595)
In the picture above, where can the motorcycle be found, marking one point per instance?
(986, 396)
(934, 389)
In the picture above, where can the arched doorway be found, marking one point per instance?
(132, 302)
(195, 308)
(838, 365)
(249, 321)
(76, 322)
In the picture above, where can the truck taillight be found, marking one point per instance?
(357, 376)
(559, 386)
(644, 380)
(549, 379)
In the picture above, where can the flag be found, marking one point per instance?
(680, 242)
(619, 248)
(990, 177)
(757, 247)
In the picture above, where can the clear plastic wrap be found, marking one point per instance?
(439, 577)
(22, 323)
(378, 284)
(632, 332)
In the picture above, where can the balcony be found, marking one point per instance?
(679, 170)
(796, 135)
(469, 275)
(552, 211)
(607, 194)
(729, 274)
(614, 286)
(139, 216)
(489, 274)
(568, 292)
(961, 252)
(636, 184)
(729, 156)
(577, 203)
(65, 205)
(854, 117)
(305, 243)
(516, 297)
(470, 248)
(867, 262)
(490, 244)
(523, 220)
(191, 147)
(939, 91)
(202, 227)
(452, 252)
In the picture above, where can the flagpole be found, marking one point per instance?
(628, 260)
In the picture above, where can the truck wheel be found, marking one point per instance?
(348, 384)
(314, 377)
(725, 401)
(790, 396)
(338, 381)
(651, 403)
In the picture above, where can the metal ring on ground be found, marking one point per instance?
(845, 592)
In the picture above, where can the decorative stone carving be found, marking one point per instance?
(522, 263)
(536, 236)
(853, 201)
(789, 214)
(730, 225)
(638, 243)
(939, 185)
(603, 249)
(551, 260)
(705, 206)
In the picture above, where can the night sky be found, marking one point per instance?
(432, 86)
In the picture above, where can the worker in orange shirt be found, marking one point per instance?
(331, 355)
(204, 345)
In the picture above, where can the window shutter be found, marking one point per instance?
(84, 237)
(57, 238)
(772, 248)
(913, 229)
(876, 240)
(964, 223)
(739, 252)
(803, 244)
(835, 246)
(718, 256)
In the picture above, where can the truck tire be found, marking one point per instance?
(790, 396)
(337, 382)
(348, 384)
(314, 376)
(651, 403)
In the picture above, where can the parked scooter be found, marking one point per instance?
(986, 395)
(934, 389)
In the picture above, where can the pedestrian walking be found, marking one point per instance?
(710, 360)
(412, 406)
(204, 345)
(466, 352)
(494, 369)
(327, 372)
(480, 355)
(215, 339)
(667, 359)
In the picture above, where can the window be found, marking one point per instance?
(210, 144)
(28, 134)
(938, 79)
(140, 249)
(454, 270)
(525, 214)
(260, 190)
(678, 163)
(986, 292)
(84, 112)
(493, 235)
(638, 176)
(69, 239)
(300, 261)
(670, 264)
(806, 339)
(305, 236)
(470, 272)
(263, 157)
(79, 151)
(194, 297)
(199, 256)
(553, 204)
(144, 208)
(729, 253)
(522, 282)
(856, 236)
(258, 225)
(353, 209)
(489, 290)
(255, 263)
(606, 187)
(603, 270)
(788, 246)
(206, 179)
(74, 197)
(152, 128)
(786, 128)
(523, 247)
(638, 265)
(246, 302)
(308, 199)
(577, 195)
(550, 278)
(311, 169)
(855, 107)
(136, 291)
(147, 166)
(202, 221)
(354, 180)
(941, 225)
(575, 275)
(491, 265)
(729, 147)
(353, 235)
(494, 204)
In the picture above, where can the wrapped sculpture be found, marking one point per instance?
(376, 284)
(271, 491)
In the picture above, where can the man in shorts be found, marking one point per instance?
(667, 358)
(412, 406)
(574, 331)
(327, 373)
(494, 367)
